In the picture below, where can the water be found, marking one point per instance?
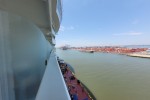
(137, 46)
(111, 76)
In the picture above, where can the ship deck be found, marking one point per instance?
(76, 90)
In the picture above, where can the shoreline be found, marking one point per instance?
(139, 55)
(134, 54)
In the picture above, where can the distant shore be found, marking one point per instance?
(132, 52)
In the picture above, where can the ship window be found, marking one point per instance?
(45, 62)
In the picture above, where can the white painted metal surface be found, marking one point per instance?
(6, 73)
(53, 86)
(24, 50)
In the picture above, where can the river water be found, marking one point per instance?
(111, 76)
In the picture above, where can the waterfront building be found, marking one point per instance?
(148, 51)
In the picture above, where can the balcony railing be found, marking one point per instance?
(59, 9)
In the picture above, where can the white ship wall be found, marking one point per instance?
(35, 10)
(23, 51)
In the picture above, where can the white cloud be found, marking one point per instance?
(134, 33)
(63, 28)
(129, 34)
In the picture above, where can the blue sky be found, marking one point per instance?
(104, 22)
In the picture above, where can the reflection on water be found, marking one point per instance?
(111, 76)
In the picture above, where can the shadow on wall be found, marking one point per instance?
(25, 46)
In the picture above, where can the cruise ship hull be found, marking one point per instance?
(28, 66)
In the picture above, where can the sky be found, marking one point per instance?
(104, 22)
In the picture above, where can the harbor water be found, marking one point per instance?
(111, 76)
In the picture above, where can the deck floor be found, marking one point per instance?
(75, 88)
